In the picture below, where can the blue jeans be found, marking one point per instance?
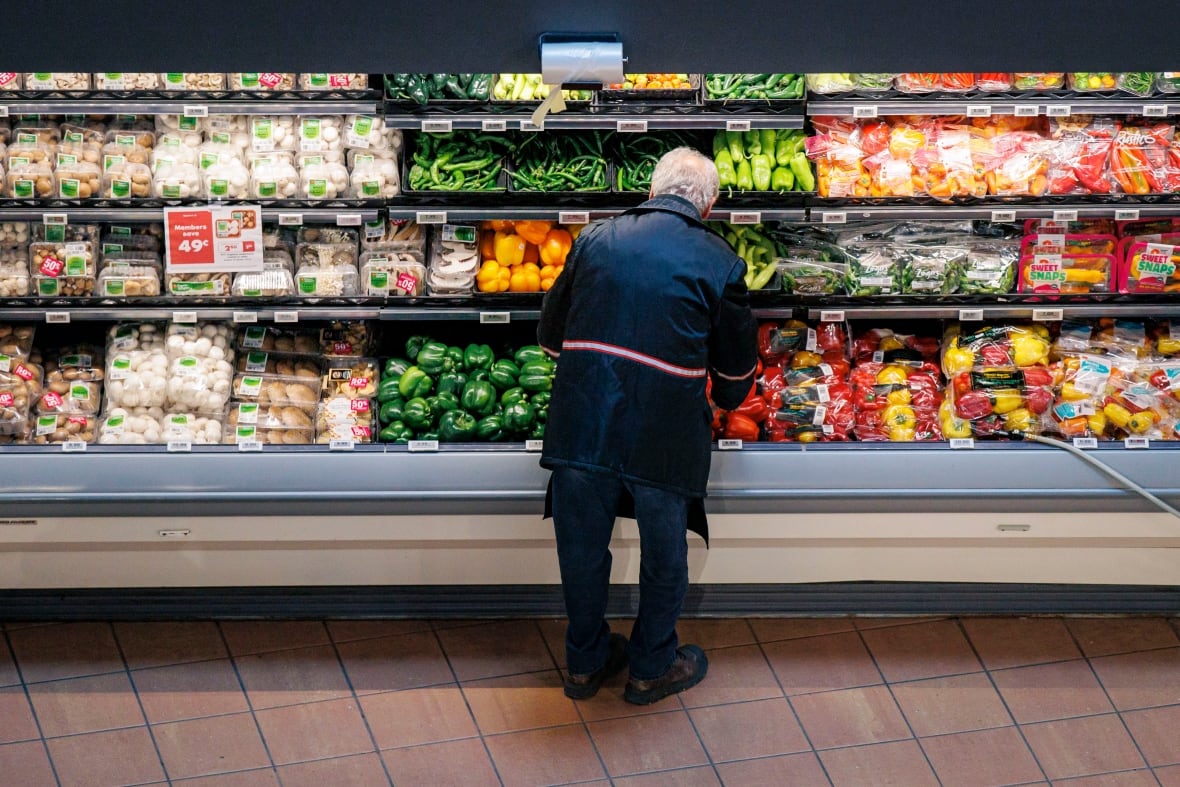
(585, 505)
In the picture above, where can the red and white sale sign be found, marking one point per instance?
(213, 239)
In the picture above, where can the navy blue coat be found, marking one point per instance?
(649, 304)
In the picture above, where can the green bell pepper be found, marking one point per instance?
(519, 417)
(456, 426)
(415, 383)
(479, 397)
(479, 374)
(489, 429)
(431, 435)
(760, 168)
(455, 356)
(726, 174)
(515, 394)
(417, 415)
(443, 403)
(391, 411)
(414, 345)
(452, 382)
(531, 352)
(536, 376)
(478, 356)
(538, 432)
(396, 432)
(503, 374)
(389, 389)
(396, 367)
(745, 176)
(541, 400)
(432, 358)
(783, 179)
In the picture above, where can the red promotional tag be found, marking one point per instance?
(360, 431)
(52, 266)
(7, 399)
(406, 282)
(358, 382)
(342, 348)
(360, 405)
(190, 237)
(23, 372)
(52, 400)
(270, 80)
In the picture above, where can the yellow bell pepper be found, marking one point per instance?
(1071, 393)
(555, 247)
(892, 375)
(890, 343)
(1006, 400)
(899, 396)
(1097, 423)
(1141, 423)
(957, 359)
(1029, 350)
(1088, 275)
(509, 248)
(1166, 345)
(1117, 414)
(954, 428)
(901, 434)
(899, 415)
(1020, 420)
(804, 358)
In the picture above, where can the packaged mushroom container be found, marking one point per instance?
(333, 81)
(112, 243)
(315, 282)
(124, 280)
(261, 82)
(35, 130)
(198, 383)
(80, 142)
(368, 132)
(267, 391)
(204, 340)
(278, 259)
(122, 82)
(400, 233)
(230, 130)
(14, 233)
(269, 133)
(130, 337)
(73, 258)
(177, 147)
(175, 180)
(197, 428)
(344, 419)
(278, 340)
(66, 233)
(327, 234)
(132, 133)
(326, 255)
(77, 179)
(374, 178)
(136, 378)
(181, 125)
(323, 135)
(453, 262)
(29, 180)
(275, 282)
(322, 179)
(15, 399)
(55, 429)
(124, 180)
(131, 426)
(350, 378)
(16, 344)
(346, 338)
(11, 80)
(383, 274)
(227, 179)
(14, 273)
(118, 254)
(273, 176)
(53, 81)
(250, 433)
(198, 284)
(309, 367)
(194, 82)
(73, 382)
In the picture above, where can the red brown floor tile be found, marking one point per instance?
(1051, 691)
(923, 650)
(553, 632)
(406, 661)
(462, 763)
(116, 757)
(69, 707)
(1110, 636)
(16, 716)
(1169, 777)
(775, 629)
(608, 703)
(736, 674)
(1142, 778)
(685, 777)
(520, 702)
(351, 630)
(292, 677)
(261, 777)
(8, 674)
(189, 691)
(203, 746)
(833, 661)
(1141, 680)
(515, 756)
(850, 717)
(416, 716)
(801, 769)
(27, 764)
(713, 634)
(1082, 747)
(161, 644)
(900, 763)
(955, 704)
(361, 770)
(648, 743)
(65, 651)
(1157, 731)
(314, 731)
(495, 649)
(1019, 642)
(749, 729)
(865, 623)
(263, 636)
(982, 758)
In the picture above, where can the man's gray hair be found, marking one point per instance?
(687, 173)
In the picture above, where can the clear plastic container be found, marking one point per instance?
(198, 284)
(1091, 81)
(206, 82)
(11, 80)
(124, 180)
(27, 180)
(278, 258)
(36, 130)
(198, 428)
(333, 81)
(268, 417)
(66, 233)
(64, 428)
(350, 378)
(178, 146)
(401, 233)
(136, 378)
(280, 340)
(199, 383)
(368, 132)
(62, 259)
(382, 274)
(80, 142)
(308, 367)
(121, 280)
(326, 255)
(126, 81)
(273, 176)
(15, 405)
(346, 338)
(1038, 80)
(131, 133)
(130, 426)
(14, 273)
(174, 180)
(70, 396)
(1167, 81)
(269, 133)
(276, 391)
(56, 81)
(63, 286)
(77, 179)
(261, 82)
(327, 234)
(275, 282)
(323, 179)
(337, 282)
(322, 134)
(374, 178)
(247, 433)
(341, 419)
(226, 180)
(14, 233)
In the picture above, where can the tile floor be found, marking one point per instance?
(841, 701)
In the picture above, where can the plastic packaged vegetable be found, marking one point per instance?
(1139, 83)
(1038, 80)
(1089, 81)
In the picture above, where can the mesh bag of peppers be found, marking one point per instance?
(464, 394)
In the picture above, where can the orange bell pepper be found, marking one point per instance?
(533, 231)
(531, 254)
(555, 247)
(487, 245)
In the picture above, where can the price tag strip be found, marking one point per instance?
(486, 318)
(962, 443)
(573, 217)
(431, 217)
(422, 446)
(287, 316)
(1048, 315)
(494, 125)
(729, 445)
(831, 316)
(970, 315)
(745, 217)
(242, 317)
(534, 446)
(57, 317)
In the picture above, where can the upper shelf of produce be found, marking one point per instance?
(199, 105)
(341, 212)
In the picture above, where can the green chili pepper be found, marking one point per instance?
(737, 150)
(783, 179)
(745, 178)
(804, 179)
(726, 174)
(760, 168)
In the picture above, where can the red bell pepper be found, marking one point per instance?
(1037, 377)
(995, 355)
(926, 346)
(1038, 400)
(870, 398)
(829, 337)
(740, 427)
(973, 405)
(839, 364)
(766, 333)
(1159, 378)
(753, 408)
(961, 384)
(927, 429)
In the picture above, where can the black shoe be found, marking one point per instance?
(686, 671)
(583, 687)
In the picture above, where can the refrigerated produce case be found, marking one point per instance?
(1028, 523)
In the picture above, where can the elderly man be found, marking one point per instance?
(650, 306)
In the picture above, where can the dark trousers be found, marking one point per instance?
(585, 505)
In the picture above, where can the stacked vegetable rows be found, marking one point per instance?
(765, 160)
(1139, 83)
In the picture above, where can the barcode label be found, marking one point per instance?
(340, 445)
(528, 125)
(349, 220)
(55, 218)
(864, 111)
(1027, 110)
(1085, 442)
(573, 217)
(1126, 214)
(290, 219)
(73, 446)
(494, 125)
(179, 446)
(970, 315)
(534, 445)
(632, 127)
(729, 445)
(249, 445)
(1003, 215)
(286, 316)
(961, 443)
(831, 316)
(494, 317)
(745, 217)
(1065, 215)
(979, 111)
(1047, 315)
(1137, 443)
(431, 217)
(184, 317)
(1058, 110)
(833, 217)
(737, 125)
(1155, 110)
(196, 111)
(245, 317)
(416, 446)
(57, 317)
(436, 126)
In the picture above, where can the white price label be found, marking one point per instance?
(729, 445)
(1133, 443)
(3, 111)
(340, 445)
(290, 219)
(55, 218)
(286, 316)
(73, 446)
(196, 111)
(350, 220)
(1155, 110)
(970, 315)
(245, 316)
(961, 443)
(250, 445)
(416, 446)
(1048, 315)
(1003, 215)
(833, 217)
(1065, 215)
(1027, 110)
(745, 217)
(431, 217)
(573, 217)
(737, 125)
(184, 317)
(57, 317)
(1085, 442)
(494, 317)
(631, 127)
(1058, 110)
(831, 316)
(534, 445)
(864, 111)
(179, 446)
(436, 126)
(979, 110)
(528, 125)
(494, 125)
(1126, 214)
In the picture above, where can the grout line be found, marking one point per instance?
(578, 709)
(249, 705)
(466, 704)
(359, 707)
(139, 702)
(806, 735)
(32, 708)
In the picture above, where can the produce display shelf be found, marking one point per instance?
(622, 121)
(1125, 208)
(197, 106)
(984, 106)
(60, 311)
(574, 215)
(488, 314)
(1047, 311)
(81, 214)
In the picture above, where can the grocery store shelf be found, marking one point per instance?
(81, 214)
(483, 313)
(571, 215)
(195, 107)
(985, 107)
(64, 311)
(1047, 311)
(677, 118)
(1125, 209)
